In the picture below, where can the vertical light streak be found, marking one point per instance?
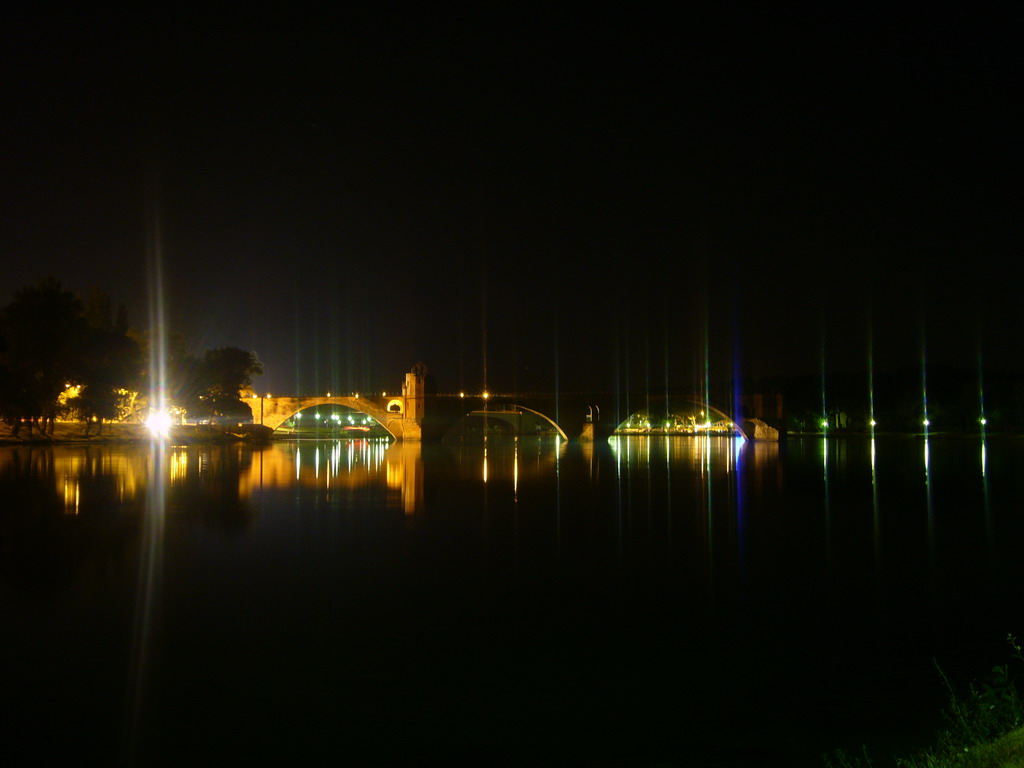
(665, 357)
(147, 595)
(558, 367)
(705, 443)
(828, 506)
(707, 369)
(930, 509)
(924, 392)
(736, 450)
(157, 329)
(298, 338)
(876, 517)
(988, 506)
(982, 420)
(871, 392)
(151, 545)
(515, 470)
(483, 328)
(558, 499)
(824, 405)
(616, 444)
(668, 489)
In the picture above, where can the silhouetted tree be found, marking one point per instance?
(43, 333)
(226, 372)
(111, 363)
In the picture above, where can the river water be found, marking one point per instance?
(690, 601)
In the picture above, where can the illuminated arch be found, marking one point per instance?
(272, 412)
(695, 422)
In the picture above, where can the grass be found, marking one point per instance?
(121, 432)
(983, 726)
(74, 431)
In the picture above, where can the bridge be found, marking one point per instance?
(390, 412)
(416, 415)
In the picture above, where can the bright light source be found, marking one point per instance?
(873, 423)
(926, 422)
(983, 421)
(486, 394)
(824, 423)
(462, 394)
(159, 423)
(328, 394)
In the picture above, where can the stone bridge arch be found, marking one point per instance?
(389, 411)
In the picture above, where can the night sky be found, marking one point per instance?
(573, 199)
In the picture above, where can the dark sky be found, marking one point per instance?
(572, 198)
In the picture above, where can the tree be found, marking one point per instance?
(226, 372)
(43, 331)
(111, 361)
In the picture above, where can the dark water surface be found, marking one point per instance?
(650, 601)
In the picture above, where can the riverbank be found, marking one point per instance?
(119, 432)
(983, 726)
(1005, 752)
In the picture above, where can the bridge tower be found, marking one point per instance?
(414, 391)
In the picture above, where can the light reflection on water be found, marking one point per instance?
(498, 566)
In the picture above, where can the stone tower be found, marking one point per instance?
(414, 390)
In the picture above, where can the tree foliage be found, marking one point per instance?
(211, 385)
(44, 333)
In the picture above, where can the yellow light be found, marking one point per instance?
(486, 394)
(462, 394)
(269, 395)
(328, 394)
(159, 423)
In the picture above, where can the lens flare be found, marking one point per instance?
(159, 423)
